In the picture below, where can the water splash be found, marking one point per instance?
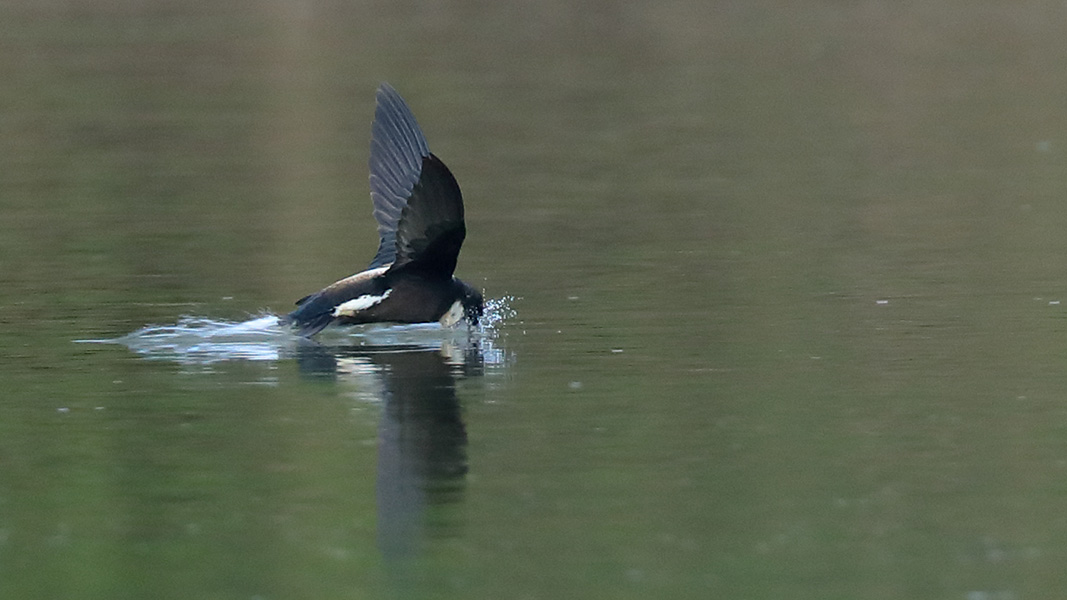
(200, 340)
(496, 312)
(203, 341)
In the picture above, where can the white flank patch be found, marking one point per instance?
(454, 314)
(351, 307)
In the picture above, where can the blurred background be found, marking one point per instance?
(786, 281)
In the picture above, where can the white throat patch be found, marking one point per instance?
(454, 315)
(351, 307)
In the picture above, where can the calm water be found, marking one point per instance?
(783, 302)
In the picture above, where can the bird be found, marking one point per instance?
(419, 210)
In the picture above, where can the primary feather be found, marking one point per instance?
(397, 150)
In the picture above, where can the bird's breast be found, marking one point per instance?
(453, 315)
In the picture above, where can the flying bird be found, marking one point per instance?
(419, 210)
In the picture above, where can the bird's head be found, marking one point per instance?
(472, 301)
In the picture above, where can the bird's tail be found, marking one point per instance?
(309, 318)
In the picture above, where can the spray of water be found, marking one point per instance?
(201, 340)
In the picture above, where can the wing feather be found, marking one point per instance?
(397, 150)
(431, 229)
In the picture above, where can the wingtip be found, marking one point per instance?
(384, 89)
(395, 125)
(398, 149)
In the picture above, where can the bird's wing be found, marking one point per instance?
(431, 228)
(397, 151)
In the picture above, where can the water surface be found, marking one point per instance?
(786, 282)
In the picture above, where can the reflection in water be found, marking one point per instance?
(422, 451)
(422, 441)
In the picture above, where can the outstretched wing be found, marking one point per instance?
(397, 151)
(417, 201)
(431, 228)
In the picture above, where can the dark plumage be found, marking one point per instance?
(419, 210)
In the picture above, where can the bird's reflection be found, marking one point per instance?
(422, 441)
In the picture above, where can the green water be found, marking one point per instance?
(786, 281)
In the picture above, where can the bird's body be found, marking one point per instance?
(419, 209)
